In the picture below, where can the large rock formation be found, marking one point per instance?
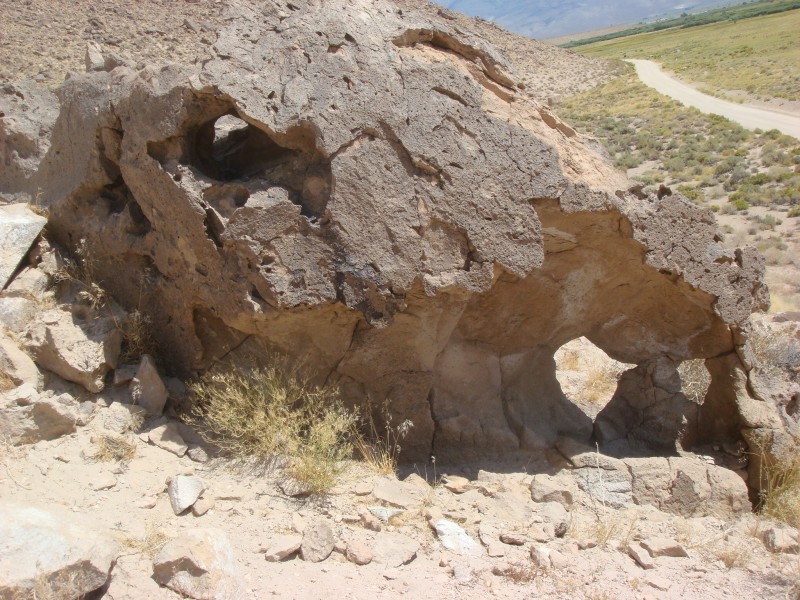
(368, 189)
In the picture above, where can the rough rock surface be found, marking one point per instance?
(199, 564)
(76, 344)
(368, 188)
(52, 553)
(19, 228)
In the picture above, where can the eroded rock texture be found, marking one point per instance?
(369, 190)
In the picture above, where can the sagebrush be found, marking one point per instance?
(263, 412)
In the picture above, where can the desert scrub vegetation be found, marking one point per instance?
(379, 441)
(757, 56)
(273, 411)
(780, 495)
(705, 156)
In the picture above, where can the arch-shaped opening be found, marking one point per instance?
(587, 375)
(228, 148)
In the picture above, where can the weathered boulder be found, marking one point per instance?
(19, 228)
(76, 344)
(28, 419)
(29, 113)
(15, 365)
(369, 189)
(51, 554)
(199, 564)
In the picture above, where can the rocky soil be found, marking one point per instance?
(103, 491)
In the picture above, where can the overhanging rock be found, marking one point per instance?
(368, 189)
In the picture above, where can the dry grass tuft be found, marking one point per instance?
(6, 383)
(695, 379)
(265, 412)
(150, 545)
(733, 555)
(114, 448)
(137, 337)
(519, 572)
(780, 492)
(380, 447)
(57, 586)
(601, 384)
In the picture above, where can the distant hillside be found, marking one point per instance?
(543, 19)
(732, 13)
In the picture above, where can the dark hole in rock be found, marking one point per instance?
(228, 148)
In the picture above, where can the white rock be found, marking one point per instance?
(383, 513)
(184, 490)
(454, 538)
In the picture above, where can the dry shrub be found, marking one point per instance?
(733, 554)
(150, 545)
(137, 337)
(777, 356)
(601, 383)
(265, 412)
(6, 383)
(519, 572)
(57, 586)
(380, 447)
(695, 379)
(114, 448)
(780, 491)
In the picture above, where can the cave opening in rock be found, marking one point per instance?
(587, 375)
(228, 148)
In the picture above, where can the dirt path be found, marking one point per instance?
(748, 116)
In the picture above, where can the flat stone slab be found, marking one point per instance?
(19, 228)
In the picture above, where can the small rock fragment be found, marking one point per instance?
(168, 438)
(513, 539)
(457, 485)
(394, 549)
(641, 556)
(184, 490)
(358, 553)
(541, 557)
(199, 564)
(454, 538)
(659, 583)
(781, 539)
(202, 506)
(369, 520)
(318, 541)
(282, 547)
(661, 546)
(147, 388)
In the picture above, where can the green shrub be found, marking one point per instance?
(794, 212)
(740, 204)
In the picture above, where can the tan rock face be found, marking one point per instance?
(368, 189)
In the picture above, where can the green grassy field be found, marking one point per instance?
(760, 56)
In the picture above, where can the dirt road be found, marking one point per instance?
(750, 117)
